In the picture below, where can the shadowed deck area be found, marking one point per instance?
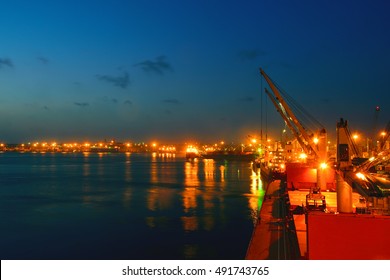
(274, 236)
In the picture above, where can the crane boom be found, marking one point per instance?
(381, 157)
(314, 200)
(290, 115)
(288, 121)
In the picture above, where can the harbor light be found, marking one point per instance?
(323, 165)
(361, 176)
(191, 149)
(303, 156)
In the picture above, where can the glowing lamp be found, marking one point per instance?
(303, 156)
(360, 176)
(323, 165)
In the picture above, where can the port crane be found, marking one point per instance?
(313, 144)
(365, 175)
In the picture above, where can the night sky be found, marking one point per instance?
(187, 70)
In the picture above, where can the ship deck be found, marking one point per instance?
(279, 234)
(271, 238)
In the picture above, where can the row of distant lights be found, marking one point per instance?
(169, 148)
(356, 136)
(55, 144)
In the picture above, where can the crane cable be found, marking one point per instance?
(308, 121)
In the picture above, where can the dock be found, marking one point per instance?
(274, 235)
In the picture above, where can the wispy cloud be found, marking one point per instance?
(110, 100)
(246, 99)
(171, 101)
(250, 54)
(43, 60)
(6, 62)
(81, 104)
(158, 66)
(119, 81)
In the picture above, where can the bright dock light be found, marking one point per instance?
(323, 165)
(361, 176)
(303, 156)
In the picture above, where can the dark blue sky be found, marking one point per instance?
(186, 70)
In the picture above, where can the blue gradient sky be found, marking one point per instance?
(184, 70)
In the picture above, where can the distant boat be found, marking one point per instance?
(192, 152)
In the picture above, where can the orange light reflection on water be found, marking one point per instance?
(255, 199)
(191, 182)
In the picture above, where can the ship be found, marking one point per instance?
(192, 152)
(327, 207)
(271, 165)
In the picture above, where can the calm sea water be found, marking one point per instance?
(125, 206)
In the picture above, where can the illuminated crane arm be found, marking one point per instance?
(289, 123)
(290, 115)
(381, 157)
